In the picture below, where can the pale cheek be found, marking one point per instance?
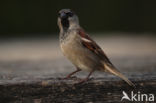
(59, 23)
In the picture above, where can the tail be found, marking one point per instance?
(114, 71)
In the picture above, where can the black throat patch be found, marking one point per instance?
(65, 23)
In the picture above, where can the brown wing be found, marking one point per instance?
(92, 46)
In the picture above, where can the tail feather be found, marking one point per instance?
(114, 71)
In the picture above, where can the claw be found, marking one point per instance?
(69, 77)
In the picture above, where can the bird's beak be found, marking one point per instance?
(63, 15)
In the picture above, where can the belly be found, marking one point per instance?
(81, 57)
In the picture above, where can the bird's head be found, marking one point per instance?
(67, 19)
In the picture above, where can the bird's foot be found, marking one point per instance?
(69, 77)
(83, 81)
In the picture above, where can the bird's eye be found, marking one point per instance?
(70, 14)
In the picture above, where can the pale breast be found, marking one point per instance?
(74, 51)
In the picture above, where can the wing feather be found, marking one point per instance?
(92, 46)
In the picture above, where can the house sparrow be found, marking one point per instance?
(80, 49)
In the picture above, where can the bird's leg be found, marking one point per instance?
(87, 78)
(69, 75)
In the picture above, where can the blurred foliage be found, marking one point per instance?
(30, 17)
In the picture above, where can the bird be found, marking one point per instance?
(83, 52)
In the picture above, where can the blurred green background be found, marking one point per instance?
(39, 17)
